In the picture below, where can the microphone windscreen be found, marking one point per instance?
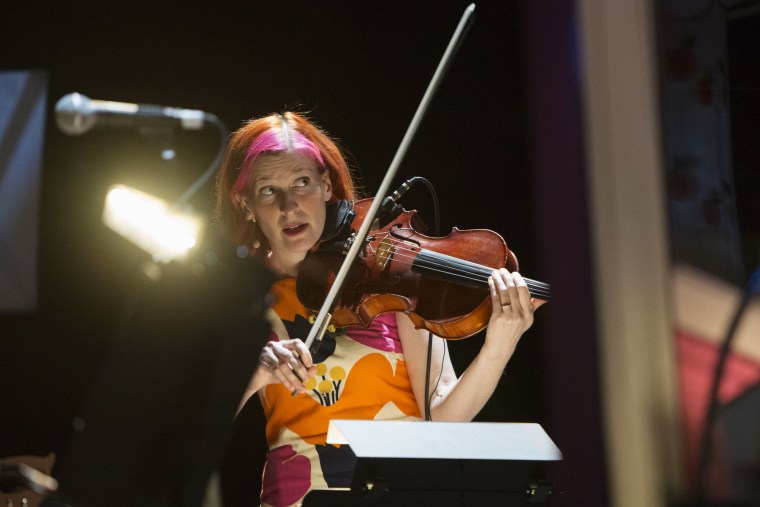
(73, 114)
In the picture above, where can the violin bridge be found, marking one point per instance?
(384, 253)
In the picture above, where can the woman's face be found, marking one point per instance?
(287, 197)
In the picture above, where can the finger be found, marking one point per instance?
(502, 280)
(298, 359)
(286, 378)
(495, 298)
(517, 291)
(268, 359)
(291, 376)
(512, 296)
(283, 350)
(280, 360)
(287, 364)
(499, 295)
(522, 293)
(302, 353)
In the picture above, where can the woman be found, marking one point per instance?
(279, 174)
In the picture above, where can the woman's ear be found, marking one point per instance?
(249, 216)
(328, 184)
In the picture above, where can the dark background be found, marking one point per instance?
(501, 144)
(745, 102)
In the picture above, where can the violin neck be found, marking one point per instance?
(464, 272)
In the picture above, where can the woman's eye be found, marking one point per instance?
(266, 191)
(302, 182)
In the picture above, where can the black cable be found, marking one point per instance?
(430, 394)
(440, 373)
(211, 170)
(390, 208)
(751, 288)
(434, 198)
(428, 362)
(436, 232)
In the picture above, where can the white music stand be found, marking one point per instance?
(440, 463)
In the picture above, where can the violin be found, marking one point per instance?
(441, 286)
(441, 283)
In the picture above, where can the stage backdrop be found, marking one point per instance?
(23, 96)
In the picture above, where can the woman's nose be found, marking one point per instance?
(288, 202)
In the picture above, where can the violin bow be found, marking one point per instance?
(324, 316)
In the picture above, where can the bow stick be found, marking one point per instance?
(323, 317)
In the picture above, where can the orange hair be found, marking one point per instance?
(237, 161)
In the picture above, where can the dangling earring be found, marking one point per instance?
(256, 243)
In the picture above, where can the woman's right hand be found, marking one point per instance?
(279, 362)
(288, 362)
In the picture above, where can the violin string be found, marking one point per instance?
(454, 267)
(448, 265)
(408, 259)
(481, 278)
(454, 263)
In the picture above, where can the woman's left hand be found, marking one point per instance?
(460, 399)
(512, 311)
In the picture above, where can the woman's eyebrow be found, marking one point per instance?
(257, 177)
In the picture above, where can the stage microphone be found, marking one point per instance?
(76, 114)
(389, 208)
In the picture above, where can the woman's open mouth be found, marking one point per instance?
(295, 230)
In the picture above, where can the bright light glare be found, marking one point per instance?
(151, 224)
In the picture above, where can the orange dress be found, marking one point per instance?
(364, 376)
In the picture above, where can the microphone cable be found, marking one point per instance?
(212, 168)
(751, 288)
(390, 209)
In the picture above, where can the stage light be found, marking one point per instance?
(166, 232)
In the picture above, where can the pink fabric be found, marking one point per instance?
(382, 333)
(364, 377)
(283, 491)
(696, 364)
